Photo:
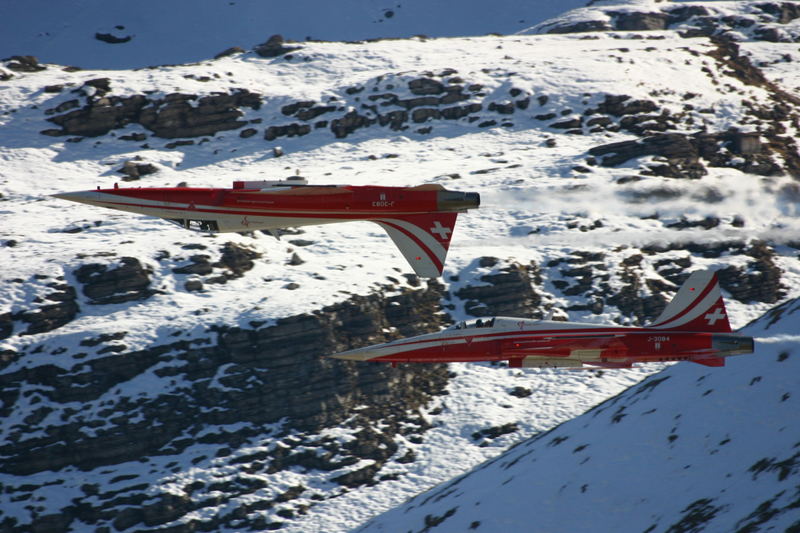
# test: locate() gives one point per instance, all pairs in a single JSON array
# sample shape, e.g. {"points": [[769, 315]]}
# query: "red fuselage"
{"points": [[531, 343], [244, 207], [420, 220]]}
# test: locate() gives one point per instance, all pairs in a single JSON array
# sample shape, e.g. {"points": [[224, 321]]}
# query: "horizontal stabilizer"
{"points": [[710, 361]]}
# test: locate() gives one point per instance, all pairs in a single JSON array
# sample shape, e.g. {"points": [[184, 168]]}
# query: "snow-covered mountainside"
{"points": [[118, 34], [686, 450], [152, 378]]}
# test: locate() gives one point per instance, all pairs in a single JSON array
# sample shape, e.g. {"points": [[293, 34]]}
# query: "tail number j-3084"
{"points": [[657, 340]]}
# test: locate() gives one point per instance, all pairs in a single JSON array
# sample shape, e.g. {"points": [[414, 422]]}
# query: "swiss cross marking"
{"points": [[712, 318], [441, 231]]}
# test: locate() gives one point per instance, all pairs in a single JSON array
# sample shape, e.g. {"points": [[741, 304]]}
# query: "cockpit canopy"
{"points": [[485, 322], [497, 322]]}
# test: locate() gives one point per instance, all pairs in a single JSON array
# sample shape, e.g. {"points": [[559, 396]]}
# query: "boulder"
{"points": [[237, 258], [425, 86], [274, 47], [639, 21], [24, 64], [133, 170], [229, 52], [112, 284]]}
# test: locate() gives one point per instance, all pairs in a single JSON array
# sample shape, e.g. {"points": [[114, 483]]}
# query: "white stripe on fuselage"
{"points": [[463, 337], [125, 202]]}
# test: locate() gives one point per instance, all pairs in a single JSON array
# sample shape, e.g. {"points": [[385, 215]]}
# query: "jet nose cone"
{"points": [[83, 197], [359, 354]]}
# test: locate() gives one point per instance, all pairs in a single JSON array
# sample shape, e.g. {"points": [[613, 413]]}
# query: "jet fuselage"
{"points": [[420, 220]]}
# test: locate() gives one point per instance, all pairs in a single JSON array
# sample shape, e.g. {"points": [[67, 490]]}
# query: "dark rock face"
{"points": [[759, 281], [633, 21], [247, 378], [425, 86], [24, 64], [675, 147], [619, 105], [784, 12], [229, 52], [6, 325], [684, 153], [173, 116], [274, 47], [126, 282], [640, 298], [63, 309], [176, 117], [581, 27], [199, 264], [629, 299], [430, 99], [509, 292]]}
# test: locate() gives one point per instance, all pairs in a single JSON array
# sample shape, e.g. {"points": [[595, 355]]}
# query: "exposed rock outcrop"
{"points": [[175, 115], [246, 379], [767, 21], [133, 170], [684, 154], [759, 281], [106, 284], [274, 47], [508, 292], [23, 64], [46, 316]]}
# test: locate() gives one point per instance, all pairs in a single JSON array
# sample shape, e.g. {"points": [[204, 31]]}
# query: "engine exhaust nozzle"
{"points": [[457, 201]]}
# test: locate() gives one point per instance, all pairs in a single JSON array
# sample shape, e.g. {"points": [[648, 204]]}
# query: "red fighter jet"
{"points": [[420, 220], [693, 327]]}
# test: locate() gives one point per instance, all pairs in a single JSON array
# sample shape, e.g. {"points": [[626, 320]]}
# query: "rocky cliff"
{"points": [[222, 390]]}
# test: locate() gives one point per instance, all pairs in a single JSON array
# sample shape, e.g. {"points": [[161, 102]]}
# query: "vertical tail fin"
{"points": [[698, 306], [423, 239]]}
